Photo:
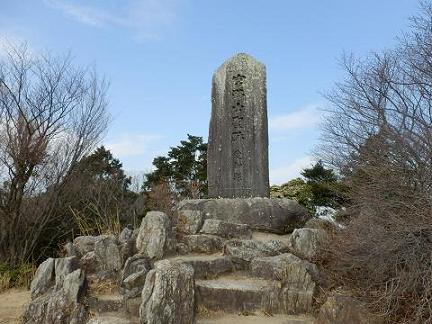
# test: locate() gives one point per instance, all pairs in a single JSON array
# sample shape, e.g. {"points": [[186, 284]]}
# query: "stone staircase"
{"points": [[206, 271], [236, 281]]}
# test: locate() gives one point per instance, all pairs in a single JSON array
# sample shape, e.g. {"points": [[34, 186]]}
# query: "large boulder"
{"points": [[226, 230], [63, 267], [306, 242], [189, 221], [43, 279], [272, 215], [168, 294], [60, 305], [155, 237], [108, 253]]}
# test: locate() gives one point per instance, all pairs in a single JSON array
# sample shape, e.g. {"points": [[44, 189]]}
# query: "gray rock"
{"points": [[111, 319], [207, 266], [270, 215], [108, 253], [70, 249], [155, 236], [238, 136], [345, 309], [226, 230], [288, 268], [244, 251], [73, 285], [168, 294], [125, 235], [59, 306], [182, 248], [203, 243], [133, 275], [85, 244], [63, 267], [43, 279], [189, 221], [306, 242], [90, 262], [134, 283]]}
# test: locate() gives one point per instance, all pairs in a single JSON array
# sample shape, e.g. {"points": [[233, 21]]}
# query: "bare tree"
{"points": [[52, 113], [379, 135]]}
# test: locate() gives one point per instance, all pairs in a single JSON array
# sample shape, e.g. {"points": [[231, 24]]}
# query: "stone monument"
{"points": [[237, 156], [238, 136]]}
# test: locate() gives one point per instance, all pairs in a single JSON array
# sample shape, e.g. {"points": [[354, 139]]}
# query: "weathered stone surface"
{"points": [[242, 294], [168, 294], [345, 309], [112, 319], [306, 242], [63, 267], [155, 236], [59, 306], [207, 266], [106, 303], [73, 284], [271, 215], [133, 275], [90, 262], [288, 268], [85, 244], [190, 221], [234, 294], [225, 229], [203, 243], [238, 136], [43, 278], [108, 253], [244, 251], [70, 249], [125, 235]]}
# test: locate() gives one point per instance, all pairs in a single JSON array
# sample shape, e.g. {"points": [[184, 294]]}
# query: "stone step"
{"points": [[105, 303], [242, 252], [113, 318], [240, 293], [255, 319], [235, 293], [207, 266], [204, 243], [266, 237]]}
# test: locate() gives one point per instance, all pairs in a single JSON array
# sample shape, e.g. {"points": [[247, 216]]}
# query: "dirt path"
{"points": [[11, 305]]}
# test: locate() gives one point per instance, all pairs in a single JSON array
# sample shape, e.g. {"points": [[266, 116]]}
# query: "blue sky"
{"points": [[159, 56]]}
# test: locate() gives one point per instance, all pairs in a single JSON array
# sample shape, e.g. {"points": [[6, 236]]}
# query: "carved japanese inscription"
{"points": [[238, 139]]}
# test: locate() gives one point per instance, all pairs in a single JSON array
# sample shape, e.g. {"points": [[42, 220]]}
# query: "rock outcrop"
{"points": [[155, 237], [168, 294]]}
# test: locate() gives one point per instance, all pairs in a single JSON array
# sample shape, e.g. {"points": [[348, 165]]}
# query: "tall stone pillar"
{"points": [[238, 136]]}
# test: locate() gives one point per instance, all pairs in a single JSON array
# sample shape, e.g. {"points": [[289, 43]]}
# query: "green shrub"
{"points": [[16, 276]]}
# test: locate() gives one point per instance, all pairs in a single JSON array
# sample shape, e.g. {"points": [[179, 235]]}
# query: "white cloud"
{"points": [[128, 145], [305, 117], [147, 18], [284, 174]]}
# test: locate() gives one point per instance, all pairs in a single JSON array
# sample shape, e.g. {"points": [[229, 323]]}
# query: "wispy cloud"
{"points": [[284, 174], [305, 117], [146, 18], [128, 145]]}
